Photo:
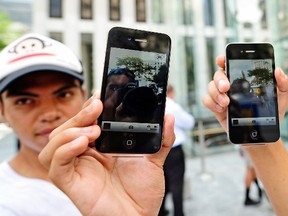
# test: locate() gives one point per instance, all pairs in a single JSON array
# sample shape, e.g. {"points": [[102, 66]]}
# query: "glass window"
{"points": [[208, 12], [230, 40], [228, 16], [140, 11], [230, 12], [55, 8], [186, 12], [114, 6], [157, 11], [56, 36], [86, 9], [210, 56], [262, 6], [189, 60], [87, 58]]}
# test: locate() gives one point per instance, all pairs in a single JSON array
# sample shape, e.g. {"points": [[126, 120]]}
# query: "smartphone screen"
{"points": [[134, 91], [253, 109]]}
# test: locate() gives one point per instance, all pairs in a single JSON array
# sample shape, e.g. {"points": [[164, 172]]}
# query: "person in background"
{"points": [[270, 160], [250, 177], [42, 100], [174, 166]]}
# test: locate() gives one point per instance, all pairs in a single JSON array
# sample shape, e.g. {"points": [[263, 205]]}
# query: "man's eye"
{"points": [[65, 94], [114, 87], [23, 101]]}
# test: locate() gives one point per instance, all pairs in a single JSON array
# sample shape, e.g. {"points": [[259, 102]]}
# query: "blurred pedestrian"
{"points": [[250, 177], [174, 166]]}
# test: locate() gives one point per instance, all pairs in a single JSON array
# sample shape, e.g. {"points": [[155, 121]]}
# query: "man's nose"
{"points": [[50, 112]]}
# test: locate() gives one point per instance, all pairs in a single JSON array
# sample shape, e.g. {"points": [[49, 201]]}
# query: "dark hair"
{"points": [[240, 85], [124, 71]]}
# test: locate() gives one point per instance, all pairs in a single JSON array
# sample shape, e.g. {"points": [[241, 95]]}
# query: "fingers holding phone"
{"points": [[217, 100], [82, 124], [282, 85], [253, 109]]}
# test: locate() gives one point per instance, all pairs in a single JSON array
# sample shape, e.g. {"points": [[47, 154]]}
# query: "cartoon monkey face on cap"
{"points": [[29, 45], [34, 52]]}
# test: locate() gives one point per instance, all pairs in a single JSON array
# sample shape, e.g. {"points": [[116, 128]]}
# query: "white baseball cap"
{"points": [[33, 52]]}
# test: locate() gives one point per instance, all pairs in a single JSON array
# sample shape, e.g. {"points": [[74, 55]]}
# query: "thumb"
{"points": [[167, 140]]}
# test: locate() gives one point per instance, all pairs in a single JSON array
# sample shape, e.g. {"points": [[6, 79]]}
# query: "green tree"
{"points": [[263, 76], [7, 35], [138, 67]]}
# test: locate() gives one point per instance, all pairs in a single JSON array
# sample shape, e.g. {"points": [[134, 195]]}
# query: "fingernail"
{"points": [[221, 84]]}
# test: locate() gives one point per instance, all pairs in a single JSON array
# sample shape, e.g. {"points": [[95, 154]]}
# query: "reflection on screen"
{"points": [[135, 90], [252, 93]]}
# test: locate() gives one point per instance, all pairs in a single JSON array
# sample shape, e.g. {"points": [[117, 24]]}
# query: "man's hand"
{"points": [[270, 160], [217, 100], [100, 184]]}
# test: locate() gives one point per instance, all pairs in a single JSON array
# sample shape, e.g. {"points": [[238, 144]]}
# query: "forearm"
{"points": [[271, 163]]}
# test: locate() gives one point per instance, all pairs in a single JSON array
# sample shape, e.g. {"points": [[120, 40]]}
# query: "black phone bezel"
{"points": [[242, 134], [127, 38]]}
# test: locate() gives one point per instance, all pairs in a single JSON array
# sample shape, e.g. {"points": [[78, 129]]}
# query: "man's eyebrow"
{"points": [[20, 93], [66, 87], [13, 93]]}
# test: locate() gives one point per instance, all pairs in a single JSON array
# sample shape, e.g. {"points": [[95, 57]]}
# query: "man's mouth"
{"points": [[45, 132]]}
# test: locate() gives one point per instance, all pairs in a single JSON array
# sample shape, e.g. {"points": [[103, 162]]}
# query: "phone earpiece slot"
{"points": [[141, 40]]}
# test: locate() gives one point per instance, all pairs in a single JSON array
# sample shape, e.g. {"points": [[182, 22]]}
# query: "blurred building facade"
{"points": [[199, 29], [278, 20]]}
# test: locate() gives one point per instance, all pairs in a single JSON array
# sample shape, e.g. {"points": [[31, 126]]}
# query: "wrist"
{"points": [[260, 152]]}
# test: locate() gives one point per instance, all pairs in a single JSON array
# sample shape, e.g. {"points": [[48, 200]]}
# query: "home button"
{"points": [[129, 143], [254, 134]]}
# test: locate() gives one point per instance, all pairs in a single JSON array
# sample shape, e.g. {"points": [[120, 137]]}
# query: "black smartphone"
{"points": [[134, 91], [253, 109]]}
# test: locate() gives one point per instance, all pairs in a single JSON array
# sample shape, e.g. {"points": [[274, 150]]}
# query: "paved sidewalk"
{"points": [[220, 190]]}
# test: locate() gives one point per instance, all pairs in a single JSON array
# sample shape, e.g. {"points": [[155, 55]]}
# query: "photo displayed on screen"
{"points": [[134, 92], [252, 92]]}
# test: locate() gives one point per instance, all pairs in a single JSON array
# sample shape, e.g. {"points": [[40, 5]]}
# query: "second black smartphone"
{"points": [[134, 91], [253, 109]]}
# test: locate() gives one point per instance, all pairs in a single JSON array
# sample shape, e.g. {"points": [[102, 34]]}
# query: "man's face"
{"points": [[37, 103], [115, 83]]}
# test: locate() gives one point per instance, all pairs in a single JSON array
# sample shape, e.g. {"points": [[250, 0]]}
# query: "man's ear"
{"points": [[2, 116], [1, 113]]}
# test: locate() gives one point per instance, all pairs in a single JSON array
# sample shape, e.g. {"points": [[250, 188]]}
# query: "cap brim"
{"points": [[36, 68]]}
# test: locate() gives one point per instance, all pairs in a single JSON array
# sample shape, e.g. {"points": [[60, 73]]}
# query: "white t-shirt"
{"points": [[184, 121], [31, 197]]}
